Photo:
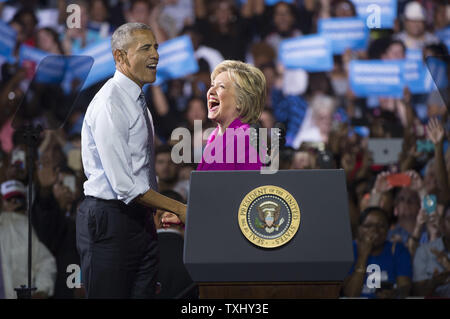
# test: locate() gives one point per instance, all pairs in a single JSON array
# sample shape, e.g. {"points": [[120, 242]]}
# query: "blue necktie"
{"points": [[150, 143], [2, 285]]}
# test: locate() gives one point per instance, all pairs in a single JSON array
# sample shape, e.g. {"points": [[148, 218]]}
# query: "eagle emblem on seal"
{"points": [[269, 216]]}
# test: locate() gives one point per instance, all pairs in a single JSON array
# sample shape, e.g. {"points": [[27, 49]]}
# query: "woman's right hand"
{"points": [[365, 244], [168, 219]]}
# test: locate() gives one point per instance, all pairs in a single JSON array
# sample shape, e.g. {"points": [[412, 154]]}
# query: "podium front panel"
{"points": [[216, 250]]}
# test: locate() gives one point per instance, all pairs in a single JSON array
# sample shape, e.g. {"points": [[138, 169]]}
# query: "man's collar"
{"points": [[128, 85]]}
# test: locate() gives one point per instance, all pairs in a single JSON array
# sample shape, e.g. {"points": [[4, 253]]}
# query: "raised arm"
{"points": [[435, 133]]}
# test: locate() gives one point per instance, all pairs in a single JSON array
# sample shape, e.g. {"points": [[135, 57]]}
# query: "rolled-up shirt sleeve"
{"points": [[110, 131]]}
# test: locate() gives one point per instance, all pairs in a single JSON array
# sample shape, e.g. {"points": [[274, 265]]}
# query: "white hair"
{"points": [[323, 102], [121, 38]]}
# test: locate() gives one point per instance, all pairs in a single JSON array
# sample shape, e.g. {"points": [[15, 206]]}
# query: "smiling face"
{"points": [[222, 100], [138, 62], [376, 226]]}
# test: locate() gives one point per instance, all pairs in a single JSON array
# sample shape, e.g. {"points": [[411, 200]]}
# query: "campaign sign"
{"points": [[176, 59], [385, 11], [311, 52], [103, 67], [345, 33], [376, 78], [417, 77], [7, 41]]}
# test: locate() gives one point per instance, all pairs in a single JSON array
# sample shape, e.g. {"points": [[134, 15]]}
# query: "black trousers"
{"points": [[118, 248]]}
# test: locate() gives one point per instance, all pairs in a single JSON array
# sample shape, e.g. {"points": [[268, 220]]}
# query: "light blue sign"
{"points": [[311, 53], [344, 33], [417, 77], [176, 59], [7, 41], [371, 10], [414, 55], [103, 67], [376, 78]]}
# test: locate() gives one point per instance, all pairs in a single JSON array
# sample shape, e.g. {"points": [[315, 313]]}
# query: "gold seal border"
{"points": [[269, 190]]}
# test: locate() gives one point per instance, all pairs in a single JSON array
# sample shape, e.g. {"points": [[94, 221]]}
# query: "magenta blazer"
{"points": [[224, 153]]}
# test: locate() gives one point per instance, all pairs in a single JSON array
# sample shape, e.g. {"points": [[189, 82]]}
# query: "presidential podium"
{"points": [[268, 236]]}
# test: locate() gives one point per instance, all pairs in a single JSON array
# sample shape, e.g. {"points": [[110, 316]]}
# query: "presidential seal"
{"points": [[269, 216]]}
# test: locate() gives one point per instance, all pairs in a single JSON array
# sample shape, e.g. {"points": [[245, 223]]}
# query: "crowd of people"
{"points": [[403, 227]]}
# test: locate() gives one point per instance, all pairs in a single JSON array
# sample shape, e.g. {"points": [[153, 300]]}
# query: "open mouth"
{"points": [[152, 66], [213, 104]]}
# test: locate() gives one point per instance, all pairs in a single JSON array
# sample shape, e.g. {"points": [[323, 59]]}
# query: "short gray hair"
{"points": [[121, 38]]}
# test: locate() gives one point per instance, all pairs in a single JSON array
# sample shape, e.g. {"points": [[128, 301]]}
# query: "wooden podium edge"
{"points": [[269, 290]]}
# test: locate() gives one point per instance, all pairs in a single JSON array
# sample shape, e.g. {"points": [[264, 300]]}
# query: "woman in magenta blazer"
{"points": [[236, 99]]}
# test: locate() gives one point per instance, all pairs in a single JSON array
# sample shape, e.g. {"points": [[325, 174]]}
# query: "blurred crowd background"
{"points": [[399, 212]]}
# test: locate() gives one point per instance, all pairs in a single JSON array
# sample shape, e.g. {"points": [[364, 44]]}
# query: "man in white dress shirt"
{"points": [[116, 235]]}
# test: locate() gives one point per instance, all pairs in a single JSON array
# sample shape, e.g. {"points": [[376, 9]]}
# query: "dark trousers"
{"points": [[118, 248]]}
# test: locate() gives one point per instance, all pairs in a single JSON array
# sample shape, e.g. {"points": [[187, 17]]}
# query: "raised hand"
{"points": [[416, 181], [435, 131], [381, 183]]}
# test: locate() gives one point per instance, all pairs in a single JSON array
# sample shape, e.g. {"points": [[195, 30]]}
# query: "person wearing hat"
{"points": [[415, 35], [14, 247]]}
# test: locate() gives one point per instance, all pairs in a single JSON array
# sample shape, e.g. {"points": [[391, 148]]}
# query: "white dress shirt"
{"points": [[114, 143]]}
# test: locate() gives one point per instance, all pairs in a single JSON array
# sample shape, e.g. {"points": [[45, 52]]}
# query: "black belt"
{"points": [[118, 202]]}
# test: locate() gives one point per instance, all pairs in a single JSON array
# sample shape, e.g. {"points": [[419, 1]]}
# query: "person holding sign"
{"points": [[116, 236]]}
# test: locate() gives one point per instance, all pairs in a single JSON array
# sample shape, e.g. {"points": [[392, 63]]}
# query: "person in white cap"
{"points": [[14, 247], [415, 35]]}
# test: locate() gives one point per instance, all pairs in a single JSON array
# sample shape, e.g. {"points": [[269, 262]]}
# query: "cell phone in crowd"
{"points": [[429, 203], [69, 181], [18, 158], [425, 146], [399, 180]]}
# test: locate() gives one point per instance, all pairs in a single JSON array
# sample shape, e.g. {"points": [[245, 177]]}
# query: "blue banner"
{"points": [[103, 67], [444, 36], [371, 10], [7, 41], [417, 77], [414, 55], [176, 59], [376, 78], [344, 33], [311, 53]]}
